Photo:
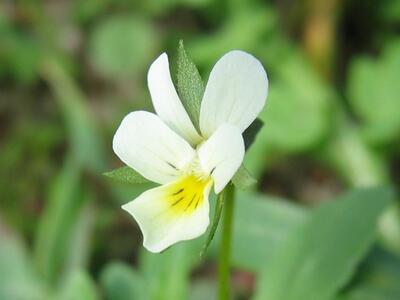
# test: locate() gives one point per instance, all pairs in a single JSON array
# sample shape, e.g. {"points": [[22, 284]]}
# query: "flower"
{"points": [[167, 149]]}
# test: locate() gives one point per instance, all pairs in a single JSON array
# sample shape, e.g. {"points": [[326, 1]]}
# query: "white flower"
{"points": [[167, 149]]}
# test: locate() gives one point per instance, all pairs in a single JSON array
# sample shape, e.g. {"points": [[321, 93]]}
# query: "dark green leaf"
{"points": [[249, 135], [320, 256], [189, 85], [243, 179], [126, 175]]}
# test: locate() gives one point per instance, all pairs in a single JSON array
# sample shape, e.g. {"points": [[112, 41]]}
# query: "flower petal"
{"points": [[222, 154], [166, 100], [236, 92], [172, 213], [146, 144]]}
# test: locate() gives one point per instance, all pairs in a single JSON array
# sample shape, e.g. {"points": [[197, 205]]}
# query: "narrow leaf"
{"points": [[243, 179], [189, 85], [126, 175], [249, 135], [219, 204]]}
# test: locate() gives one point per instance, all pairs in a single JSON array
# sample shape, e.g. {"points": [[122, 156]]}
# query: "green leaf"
{"points": [[249, 135], [17, 276], [167, 274], [122, 45], [374, 94], [78, 286], [219, 204], [189, 85], [320, 256], [377, 279], [243, 179], [84, 138], [122, 282], [260, 226], [126, 175], [64, 203]]}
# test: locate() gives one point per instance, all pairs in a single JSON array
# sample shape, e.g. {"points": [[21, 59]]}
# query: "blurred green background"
{"points": [[323, 222]]}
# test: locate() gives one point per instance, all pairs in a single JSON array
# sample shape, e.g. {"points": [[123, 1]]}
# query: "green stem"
{"points": [[225, 247]]}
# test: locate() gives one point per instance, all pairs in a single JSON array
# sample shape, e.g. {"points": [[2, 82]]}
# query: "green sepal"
{"points": [[126, 175], [249, 135], [243, 179], [189, 85]]}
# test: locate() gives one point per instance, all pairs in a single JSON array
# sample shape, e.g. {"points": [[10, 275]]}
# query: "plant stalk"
{"points": [[224, 259]]}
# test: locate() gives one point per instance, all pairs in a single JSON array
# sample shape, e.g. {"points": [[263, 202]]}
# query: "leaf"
{"points": [[78, 286], [261, 225], [374, 94], [377, 279], [320, 256], [167, 274], [189, 85], [121, 282], [64, 203], [122, 45], [17, 276], [126, 175], [243, 179], [219, 204], [249, 135], [84, 138]]}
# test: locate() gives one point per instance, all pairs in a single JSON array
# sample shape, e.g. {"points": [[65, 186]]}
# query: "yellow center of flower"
{"points": [[187, 193]]}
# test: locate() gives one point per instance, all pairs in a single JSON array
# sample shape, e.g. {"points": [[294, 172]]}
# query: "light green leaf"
{"points": [[167, 274], [122, 45], [126, 175], [374, 94], [17, 276], [189, 85], [84, 138], [243, 179], [261, 225], [63, 206], [122, 282], [320, 256], [78, 286]]}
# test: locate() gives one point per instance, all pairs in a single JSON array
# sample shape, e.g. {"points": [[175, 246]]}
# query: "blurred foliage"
{"points": [[70, 71]]}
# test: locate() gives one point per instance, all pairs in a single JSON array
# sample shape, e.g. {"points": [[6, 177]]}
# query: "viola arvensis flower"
{"points": [[167, 149]]}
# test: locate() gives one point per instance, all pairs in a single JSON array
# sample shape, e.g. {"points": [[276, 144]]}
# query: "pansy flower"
{"points": [[166, 147]]}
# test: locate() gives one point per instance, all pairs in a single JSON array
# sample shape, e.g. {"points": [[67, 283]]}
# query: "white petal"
{"points": [[222, 154], [163, 223], [166, 101], [147, 145], [236, 92]]}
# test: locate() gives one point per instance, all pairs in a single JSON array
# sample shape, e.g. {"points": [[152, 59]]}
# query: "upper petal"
{"points": [[166, 100], [171, 213], [236, 92], [146, 144], [222, 154]]}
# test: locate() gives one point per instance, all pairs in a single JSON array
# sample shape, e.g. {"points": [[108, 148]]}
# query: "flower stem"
{"points": [[225, 247]]}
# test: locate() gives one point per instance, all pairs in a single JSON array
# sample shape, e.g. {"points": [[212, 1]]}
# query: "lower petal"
{"points": [[171, 213]]}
